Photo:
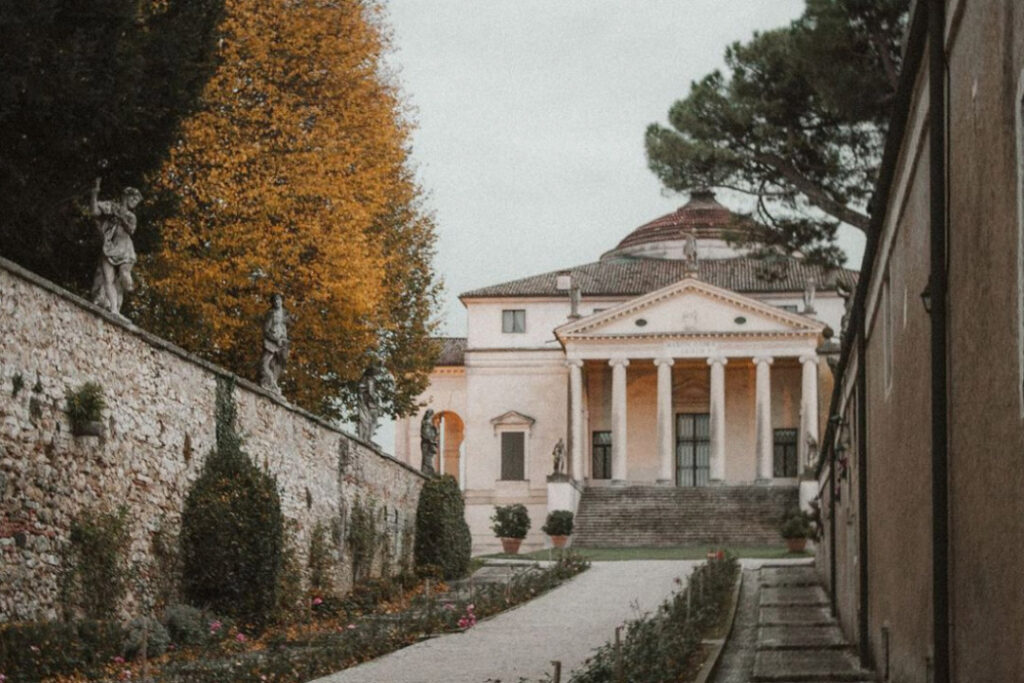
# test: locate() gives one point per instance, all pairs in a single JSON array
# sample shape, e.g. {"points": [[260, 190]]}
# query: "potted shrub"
{"points": [[84, 407], [559, 527], [796, 529], [510, 523]]}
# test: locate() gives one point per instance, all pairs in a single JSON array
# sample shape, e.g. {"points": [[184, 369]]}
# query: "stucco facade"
{"points": [[674, 331]]}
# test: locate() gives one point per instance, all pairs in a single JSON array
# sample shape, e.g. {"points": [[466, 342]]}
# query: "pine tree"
{"points": [[292, 178]]}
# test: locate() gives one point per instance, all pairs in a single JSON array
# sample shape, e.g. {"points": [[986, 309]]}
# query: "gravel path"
{"points": [[565, 624]]}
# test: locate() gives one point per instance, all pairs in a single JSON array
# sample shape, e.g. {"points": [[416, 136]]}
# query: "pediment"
{"points": [[512, 418], [690, 307]]}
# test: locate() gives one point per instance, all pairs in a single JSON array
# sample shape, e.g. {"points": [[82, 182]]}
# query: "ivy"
{"points": [[363, 539], [97, 573]]}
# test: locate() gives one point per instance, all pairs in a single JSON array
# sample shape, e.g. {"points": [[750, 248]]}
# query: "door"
{"points": [[693, 449]]}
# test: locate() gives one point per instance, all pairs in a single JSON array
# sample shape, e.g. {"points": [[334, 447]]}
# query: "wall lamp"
{"points": [[926, 298]]}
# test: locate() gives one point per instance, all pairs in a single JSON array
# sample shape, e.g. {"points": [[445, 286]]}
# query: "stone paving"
{"points": [[566, 624]]}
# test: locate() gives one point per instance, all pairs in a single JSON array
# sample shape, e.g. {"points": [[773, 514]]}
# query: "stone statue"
{"points": [[558, 457], [428, 442], [690, 254], [275, 344], [116, 223], [809, 289], [369, 404]]}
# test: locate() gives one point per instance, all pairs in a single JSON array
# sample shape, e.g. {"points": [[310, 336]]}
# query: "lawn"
{"points": [[770, 552]]}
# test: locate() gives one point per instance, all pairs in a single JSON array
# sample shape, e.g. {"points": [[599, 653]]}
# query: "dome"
{"points": [[665, 237]]}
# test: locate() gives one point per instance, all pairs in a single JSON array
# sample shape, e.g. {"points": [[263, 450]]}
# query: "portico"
{"points": [[660, 393]]}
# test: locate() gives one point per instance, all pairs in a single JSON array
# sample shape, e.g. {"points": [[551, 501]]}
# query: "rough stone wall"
{"points": [[158, 428]]}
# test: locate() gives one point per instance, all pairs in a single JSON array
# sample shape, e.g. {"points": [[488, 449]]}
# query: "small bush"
{"points": [[145, 630], [186, 625], [796, 524], [43, 650], [510, 521], [232, 530], [442, 535], [84, 404], [559, 523], [97, 571]]}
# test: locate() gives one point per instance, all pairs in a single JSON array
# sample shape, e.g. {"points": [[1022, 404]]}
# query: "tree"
{"points": [[87, 82], [292, 178], [799, 123]]}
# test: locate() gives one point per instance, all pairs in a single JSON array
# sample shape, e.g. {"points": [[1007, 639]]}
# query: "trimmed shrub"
{"points": [[510, 521], [186, 625], [442, 535], [148, 630], [559, 523], [232, 530]]}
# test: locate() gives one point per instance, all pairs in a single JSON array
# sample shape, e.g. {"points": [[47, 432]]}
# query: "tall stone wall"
{"points": [[158, 428]]}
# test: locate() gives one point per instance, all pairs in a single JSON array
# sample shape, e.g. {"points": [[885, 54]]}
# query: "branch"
{"points": [[891, 72], [815, 194]]}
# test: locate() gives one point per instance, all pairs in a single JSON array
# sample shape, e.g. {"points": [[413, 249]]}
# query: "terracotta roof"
{"points": [[636, 276], [453, 351], [702, 215]]}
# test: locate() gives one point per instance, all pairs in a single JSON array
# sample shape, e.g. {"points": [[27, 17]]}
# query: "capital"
{"points": [[767, 360], [574, 363], [616, 362], [664, 361], [809, 358], [718, 360]]}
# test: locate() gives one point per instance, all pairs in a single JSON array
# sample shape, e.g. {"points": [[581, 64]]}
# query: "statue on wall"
{"points": [[275, 344], [116, 223], [558, 458], [428, 442], [368, 406]]}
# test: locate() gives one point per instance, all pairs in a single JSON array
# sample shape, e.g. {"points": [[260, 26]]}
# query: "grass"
{"points": [[770, 552]]}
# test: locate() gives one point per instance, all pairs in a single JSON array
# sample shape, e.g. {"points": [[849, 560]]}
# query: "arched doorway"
{"points": [[451, 431]]}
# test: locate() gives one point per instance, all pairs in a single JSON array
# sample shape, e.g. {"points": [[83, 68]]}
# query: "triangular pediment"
{"points": [[690, 307], [512, 418]]}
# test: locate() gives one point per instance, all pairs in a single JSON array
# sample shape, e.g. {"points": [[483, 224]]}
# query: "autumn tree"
{"points": [[798, 122], [86, 83], [293, 178]]}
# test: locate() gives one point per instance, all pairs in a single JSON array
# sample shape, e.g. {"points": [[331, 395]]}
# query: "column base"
{"points": [[664, 482], [716, 482], [618, 482]]}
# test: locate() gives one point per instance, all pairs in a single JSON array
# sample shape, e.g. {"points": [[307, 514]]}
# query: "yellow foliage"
{"points": [[292, 177]]}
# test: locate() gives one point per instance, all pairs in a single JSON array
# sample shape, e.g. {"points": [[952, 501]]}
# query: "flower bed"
{"points": [[665, 645]]}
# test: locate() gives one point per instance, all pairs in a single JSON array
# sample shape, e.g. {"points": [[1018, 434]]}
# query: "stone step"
{"points": [[807, 665], [793, 596], [788, 576], [794, 616], [801, 637]]}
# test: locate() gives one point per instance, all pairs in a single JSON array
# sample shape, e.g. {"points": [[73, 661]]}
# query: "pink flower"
{"points": [[317, 601], [351, 626], [2, 678], [240, 637], [34, 648], [469, 608], [463, 622], [118, 660], [215, 626]]}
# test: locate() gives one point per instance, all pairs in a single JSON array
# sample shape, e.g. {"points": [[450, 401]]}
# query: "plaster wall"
{"points": [[543, 315], [158, 428]]}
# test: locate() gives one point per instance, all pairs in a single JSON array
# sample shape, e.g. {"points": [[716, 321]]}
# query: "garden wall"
{"points": [[158, 428]]}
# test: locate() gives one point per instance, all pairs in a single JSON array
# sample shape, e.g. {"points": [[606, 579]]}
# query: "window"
{"points": [[513, 320], [785, 464], [601, 456], [791, 308], [693, 449], [513, 456], [887, 331]]}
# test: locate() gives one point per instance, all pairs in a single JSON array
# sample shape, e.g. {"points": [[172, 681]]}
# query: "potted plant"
{"points": [[796, 529], [510, 523], [84, 407], [559, 527]]}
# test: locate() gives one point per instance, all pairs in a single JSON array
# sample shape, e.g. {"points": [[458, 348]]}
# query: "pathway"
{"points": [[564, 624]]}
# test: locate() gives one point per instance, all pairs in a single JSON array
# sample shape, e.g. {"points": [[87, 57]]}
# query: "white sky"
{"points": [[531, 116]]}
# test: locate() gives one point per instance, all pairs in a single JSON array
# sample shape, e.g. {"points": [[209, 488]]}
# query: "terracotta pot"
{"points": [[510, 546], [796, 545], [559, 541]]}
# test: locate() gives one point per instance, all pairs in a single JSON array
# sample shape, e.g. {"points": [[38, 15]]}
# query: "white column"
{"points": [[665, 450], [764, 418], [618, 419], [717, 364], [576, 418], [808, 407]]}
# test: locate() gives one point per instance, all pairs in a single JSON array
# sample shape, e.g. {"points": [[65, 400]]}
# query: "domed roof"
{"points": [[664, 237]]}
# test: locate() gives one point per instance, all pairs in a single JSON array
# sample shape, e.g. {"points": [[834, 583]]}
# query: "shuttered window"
{"points": [[513, 320], [513, 457], [785, 464]]}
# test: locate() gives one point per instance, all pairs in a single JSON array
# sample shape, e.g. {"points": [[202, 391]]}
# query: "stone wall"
{"points": [[158, 428]]}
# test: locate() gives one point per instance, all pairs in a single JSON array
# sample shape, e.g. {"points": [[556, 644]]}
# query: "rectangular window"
{"points": [[601, 456], [693, 449], [785, 464], [792, 308], [887, 331], [513, 456], [513, 320]]}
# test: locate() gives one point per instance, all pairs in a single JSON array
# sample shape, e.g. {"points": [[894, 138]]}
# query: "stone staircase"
{"points": [[658, 516]]}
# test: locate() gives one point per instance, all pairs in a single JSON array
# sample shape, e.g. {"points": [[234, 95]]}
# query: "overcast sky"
{"points": [[531, 117]]}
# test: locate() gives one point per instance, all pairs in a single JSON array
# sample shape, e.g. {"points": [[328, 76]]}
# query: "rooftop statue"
{"points": [[116, 224], [558, 457]]}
